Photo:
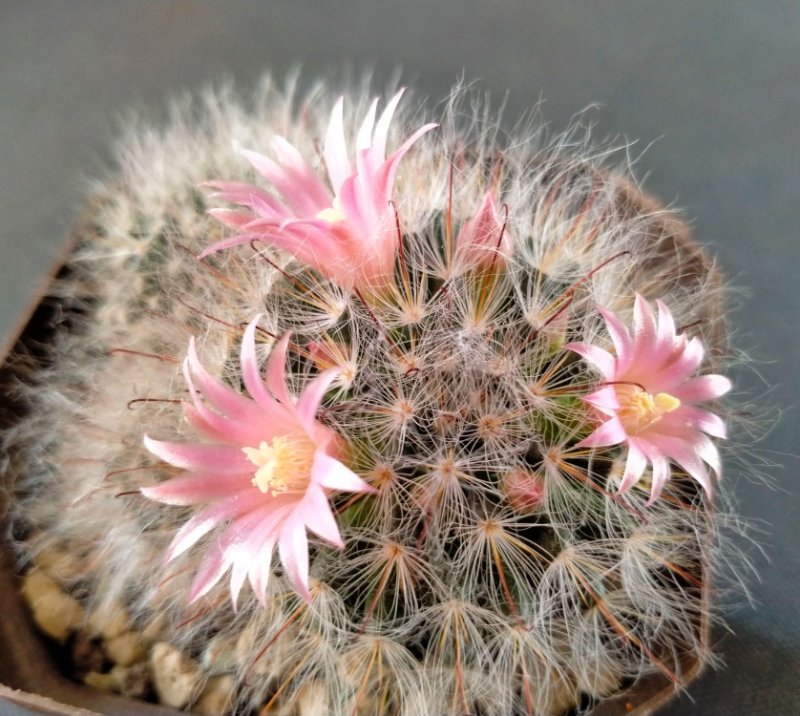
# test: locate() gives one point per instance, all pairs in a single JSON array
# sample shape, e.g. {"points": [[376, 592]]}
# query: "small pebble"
{"points": [[175, 677], [132, 681], [217, 696], [311, 699], [103, 682], [562, 696], [219, 655], [56, 614], [126, 649]]}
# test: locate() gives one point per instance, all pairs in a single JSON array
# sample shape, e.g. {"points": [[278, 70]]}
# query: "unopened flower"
{"points": [[344, 229], [483, 240], [648, 398], [265, 471], [524, 490]]}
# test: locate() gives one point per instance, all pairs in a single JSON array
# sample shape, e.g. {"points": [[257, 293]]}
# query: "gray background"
{"points": [[713, 84]]}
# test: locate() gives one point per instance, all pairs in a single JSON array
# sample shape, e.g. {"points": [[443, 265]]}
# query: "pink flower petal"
{"points": [[224, 429], [378, 145], [601, 359], [302, 194], [320, 519], [197, 487], [311, 398], [619, 337], [609, 433], [249, 195], [276, 373], [708, 452], [254, 544], [364, 213], [704, 420], [605, 400], [684, 363], [685, 455], [237, 580], [210, 572], [384, 178], [230, 242], [261, 570], [337, 161], [666, 327], [199, 456], [265, 166], [219, 559], [231, 218], [364, 136], [201, 426], [372, 198], [331, 474], [251, 373], [644, 329], [635, 465], [293, 550], [208, 519], [222, 397], [310, 241], [704, 387], [305, 182], [661, 474]]}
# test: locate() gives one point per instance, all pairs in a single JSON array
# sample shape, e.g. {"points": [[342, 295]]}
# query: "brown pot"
{"points": [[28, 673]]}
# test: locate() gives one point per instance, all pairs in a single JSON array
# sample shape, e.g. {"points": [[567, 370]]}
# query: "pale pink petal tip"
{"points": [[483, 241], [262, 478], [648, 398]]}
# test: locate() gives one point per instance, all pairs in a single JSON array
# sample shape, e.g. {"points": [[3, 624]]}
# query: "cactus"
{"points": [[480, 543]]}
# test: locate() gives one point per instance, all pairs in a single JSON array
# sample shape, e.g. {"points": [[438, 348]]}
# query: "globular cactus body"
{"points": [[490, 564]]}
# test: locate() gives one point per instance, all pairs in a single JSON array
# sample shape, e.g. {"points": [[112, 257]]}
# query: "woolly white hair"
{"points": [[446, 599]]}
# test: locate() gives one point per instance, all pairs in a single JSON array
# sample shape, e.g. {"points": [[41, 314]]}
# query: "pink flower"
{"points": [[265, 471], [346, 232], [483, 240], [648, 400]]}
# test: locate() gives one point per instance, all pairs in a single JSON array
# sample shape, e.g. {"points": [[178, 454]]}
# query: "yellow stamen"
{"points": [[333, 213], [640, 409], [284, 464], [667, 402]]}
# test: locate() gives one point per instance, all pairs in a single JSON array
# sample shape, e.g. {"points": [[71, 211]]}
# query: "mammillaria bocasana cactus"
{"points": [[446, 404]]}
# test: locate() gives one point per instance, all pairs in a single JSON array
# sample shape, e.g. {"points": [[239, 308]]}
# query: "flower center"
{"points": [[333, 213], [640, 409], [284, 464]]}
